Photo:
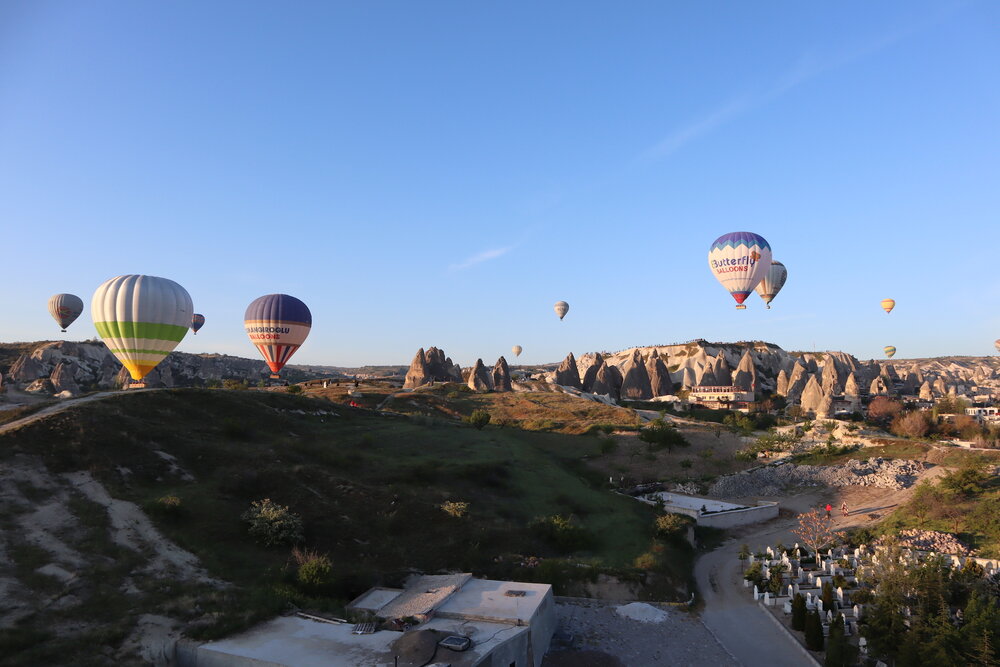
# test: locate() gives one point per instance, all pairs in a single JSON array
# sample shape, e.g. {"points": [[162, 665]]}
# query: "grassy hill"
{"points": [[368, 487]]}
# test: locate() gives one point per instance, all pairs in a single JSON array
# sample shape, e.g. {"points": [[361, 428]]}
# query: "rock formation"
{"points": [[62, 378], [659, 377], [591, 372], [607, 381], [781, 387], [746, 375], [501, 376], [567, 374], [812, 395], [431, 366], [635, 380], [480, 379]]}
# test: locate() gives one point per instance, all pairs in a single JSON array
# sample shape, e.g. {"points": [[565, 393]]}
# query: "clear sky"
{"points": [[440, 173]]}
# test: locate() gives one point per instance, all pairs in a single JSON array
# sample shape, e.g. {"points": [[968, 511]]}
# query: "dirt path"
{"points": [[63, 404]]}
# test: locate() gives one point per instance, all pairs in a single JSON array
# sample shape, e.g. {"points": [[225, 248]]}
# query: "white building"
{"points": [[985, 414], [718, 396], [506, 623]]}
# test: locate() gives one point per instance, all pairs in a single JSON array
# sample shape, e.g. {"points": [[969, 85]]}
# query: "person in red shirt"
{"points": [[829, 508]]}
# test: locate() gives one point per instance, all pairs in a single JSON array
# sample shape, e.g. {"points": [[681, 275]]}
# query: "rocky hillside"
{"points": [[63, 366], [823, 383]]}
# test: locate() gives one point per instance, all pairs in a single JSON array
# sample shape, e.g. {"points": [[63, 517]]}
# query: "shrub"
{"points": [[659, 435], [671, 525], [561, 532], [235, 384], [314, 569], [455, 508], [479, 418], [271, 523], [646, 561], [294, 389], [169, 504], [608, 445]]}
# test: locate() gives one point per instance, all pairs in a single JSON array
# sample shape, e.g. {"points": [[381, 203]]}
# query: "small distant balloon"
{"points": [[739, 261], [65, 308], [772, 282], [516, 350], [996, 344], [561, 309], [277, 324], [890, 351], [888, 305], [197, 322], [141, 319]]}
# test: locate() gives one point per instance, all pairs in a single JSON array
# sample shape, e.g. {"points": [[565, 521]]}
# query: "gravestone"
{"points": [[756, 593], [840, 593], [767, 598]]}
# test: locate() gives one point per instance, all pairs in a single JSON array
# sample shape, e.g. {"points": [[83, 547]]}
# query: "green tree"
{"points": [[798, 612], [814, 631], [968, 479], [837, 648], [743, 555], [272, 524]]}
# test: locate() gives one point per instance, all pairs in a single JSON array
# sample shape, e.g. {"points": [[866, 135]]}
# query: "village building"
{"points": [[451, 619], [728, 397]]}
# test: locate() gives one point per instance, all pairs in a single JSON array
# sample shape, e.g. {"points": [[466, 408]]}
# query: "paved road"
{"points": [[732, 615]]}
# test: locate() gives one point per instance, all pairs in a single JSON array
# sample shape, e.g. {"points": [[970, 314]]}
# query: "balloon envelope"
{"points": [[888, 305], [561, 309], [890, 351], [772, 282], [277, 324], [141, 319], [65, 308], [516, 350], [739, 261], [996, 344], [197, 322]]}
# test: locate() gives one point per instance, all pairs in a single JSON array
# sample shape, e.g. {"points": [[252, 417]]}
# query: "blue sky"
{"points": [[440, 173]]}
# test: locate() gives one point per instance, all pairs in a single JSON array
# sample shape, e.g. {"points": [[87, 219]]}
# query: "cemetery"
{"points": [[845, 599]]}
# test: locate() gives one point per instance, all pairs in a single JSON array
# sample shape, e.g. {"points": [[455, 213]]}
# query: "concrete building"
{"points": [[507, 624], [984, 414]]}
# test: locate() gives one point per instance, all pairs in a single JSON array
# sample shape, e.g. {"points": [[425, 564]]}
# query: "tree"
{"points": [[814, 631], [967, 480], [837, 650], [743, 555], [271, 523], [911, 424], [798, 612], [814, 531], [883, 409]]}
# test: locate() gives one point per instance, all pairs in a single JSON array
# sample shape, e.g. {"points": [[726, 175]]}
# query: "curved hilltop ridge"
{"points": [[122, 514]]}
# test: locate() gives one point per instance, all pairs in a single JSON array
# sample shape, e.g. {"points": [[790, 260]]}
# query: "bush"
{"points": [[294, 389], [315, 571], [479, 418], [659, 435], [455, 509], [562, 533], [271, 523], [235, 384], [646, 561], [671, 525], [608, 445]]}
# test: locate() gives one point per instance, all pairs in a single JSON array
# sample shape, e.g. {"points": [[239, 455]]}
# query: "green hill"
{"points": [[368, 487]]}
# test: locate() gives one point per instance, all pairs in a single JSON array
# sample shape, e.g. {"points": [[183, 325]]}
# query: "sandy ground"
{"points": [[593, 634]]}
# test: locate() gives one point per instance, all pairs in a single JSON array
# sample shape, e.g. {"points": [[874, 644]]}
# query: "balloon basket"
{"points": [[741, 307], [275, 376], [135, 385]]}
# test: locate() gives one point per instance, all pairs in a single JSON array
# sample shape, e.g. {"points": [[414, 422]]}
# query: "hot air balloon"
{"points": [[772, 282], [516, 350], [996, 344], [277, 324], [197, 322], [141, 319], [65, 308], [890, 351], [561, 309], [888, 305], [739, 261]]}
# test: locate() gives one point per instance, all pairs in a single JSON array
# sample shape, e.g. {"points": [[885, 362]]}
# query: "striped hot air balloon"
{"points": [[141, 319], [197, 322], [65, 308], [561, 309], [888, 305], [739, 261], [772, 282], [890, 351], [277, 324]]}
